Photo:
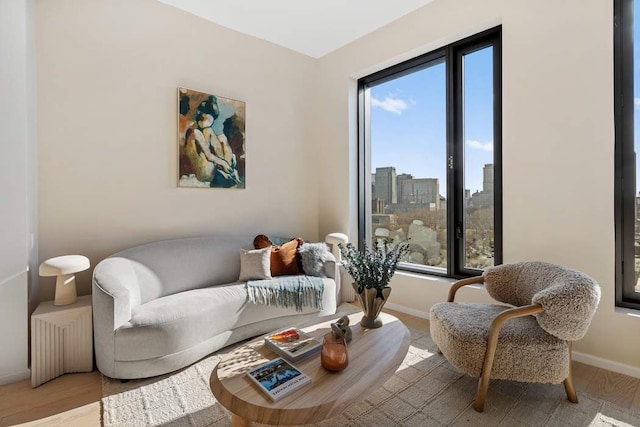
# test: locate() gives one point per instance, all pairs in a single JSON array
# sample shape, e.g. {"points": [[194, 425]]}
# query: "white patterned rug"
{"points": [[425, 391]]}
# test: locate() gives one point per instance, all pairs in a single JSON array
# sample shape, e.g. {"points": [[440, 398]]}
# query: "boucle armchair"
{"points": [[529, 342]]}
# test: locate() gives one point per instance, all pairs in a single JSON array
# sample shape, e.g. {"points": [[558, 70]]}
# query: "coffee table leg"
{"points": [[238, 421]]}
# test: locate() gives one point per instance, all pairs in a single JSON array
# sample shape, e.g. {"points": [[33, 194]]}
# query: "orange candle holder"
{"points": [[334, 356]]}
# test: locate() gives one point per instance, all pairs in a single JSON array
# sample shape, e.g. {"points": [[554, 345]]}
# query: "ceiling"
{"points": [[313, 28]]}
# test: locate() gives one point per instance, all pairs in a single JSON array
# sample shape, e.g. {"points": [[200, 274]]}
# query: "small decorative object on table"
{"points": [[341, 328], [372, 269], [277, 378], [293, 344], [334, 355]]}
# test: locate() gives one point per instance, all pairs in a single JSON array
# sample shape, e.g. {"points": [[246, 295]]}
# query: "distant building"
{"points": [[404, 186], [383, 220], [420, 191], [484, 198], [385, 187], [377, 206]]}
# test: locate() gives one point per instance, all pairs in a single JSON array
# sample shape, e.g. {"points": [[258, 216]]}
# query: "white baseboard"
{"points": [[412, 311], [610, 365], [16, 376], [598, 362]]}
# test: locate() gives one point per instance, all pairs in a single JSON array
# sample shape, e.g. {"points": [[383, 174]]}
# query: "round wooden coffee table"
{"points": [[374, 356]]}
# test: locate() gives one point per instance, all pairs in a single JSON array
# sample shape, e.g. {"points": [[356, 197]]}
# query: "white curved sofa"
{"points": [[164, 305]]}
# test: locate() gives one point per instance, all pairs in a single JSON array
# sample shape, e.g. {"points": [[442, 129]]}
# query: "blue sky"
{"points": [[408, 121]]}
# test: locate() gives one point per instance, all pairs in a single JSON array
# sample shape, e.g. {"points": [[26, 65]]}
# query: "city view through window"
{"points": [[409, 162], [636, 137]]}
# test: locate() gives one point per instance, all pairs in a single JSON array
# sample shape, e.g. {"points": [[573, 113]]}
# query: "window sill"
{"points": [[447, 281], [627, 311]]}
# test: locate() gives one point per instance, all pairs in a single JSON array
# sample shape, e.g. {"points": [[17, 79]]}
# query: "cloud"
{"points": [[392, 105], [636, 102], [485, 146]]}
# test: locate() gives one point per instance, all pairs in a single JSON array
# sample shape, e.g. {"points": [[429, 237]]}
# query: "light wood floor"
{"points": [[74, 399]]}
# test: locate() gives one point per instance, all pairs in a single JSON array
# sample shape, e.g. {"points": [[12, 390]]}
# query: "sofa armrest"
{"points": [[330, 269], [115, 293], [116, 278]]}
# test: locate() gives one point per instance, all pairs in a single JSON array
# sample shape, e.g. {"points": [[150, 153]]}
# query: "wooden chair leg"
{"points": [[483, 388], [485, 376], [568, 382], [492, 344]]}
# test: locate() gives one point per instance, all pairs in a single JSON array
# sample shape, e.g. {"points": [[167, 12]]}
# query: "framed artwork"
{"points": [[211, 140]]}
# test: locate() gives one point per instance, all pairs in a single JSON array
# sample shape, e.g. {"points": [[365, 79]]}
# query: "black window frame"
{"points": [[452, 55], [625, 163]]}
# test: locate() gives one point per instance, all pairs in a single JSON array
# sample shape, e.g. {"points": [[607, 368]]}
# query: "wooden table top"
{"points": [[374, 356]]}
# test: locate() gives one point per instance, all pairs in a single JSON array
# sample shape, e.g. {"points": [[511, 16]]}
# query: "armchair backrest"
{"points": [[569, 297]]}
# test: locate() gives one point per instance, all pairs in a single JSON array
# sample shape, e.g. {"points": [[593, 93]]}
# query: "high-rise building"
{"points": [[484, 198], [377, 206], [419, 191], [487, 178], [404, 186], [385, 185]]}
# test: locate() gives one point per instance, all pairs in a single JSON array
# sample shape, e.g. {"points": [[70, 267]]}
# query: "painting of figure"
{"points": [[211, 140]]}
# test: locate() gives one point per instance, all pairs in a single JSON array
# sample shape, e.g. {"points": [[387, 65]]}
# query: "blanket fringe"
{"points": [[287, 292]]}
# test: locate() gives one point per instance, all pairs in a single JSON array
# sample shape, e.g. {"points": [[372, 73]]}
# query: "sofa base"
{"points": [[163, 365]]}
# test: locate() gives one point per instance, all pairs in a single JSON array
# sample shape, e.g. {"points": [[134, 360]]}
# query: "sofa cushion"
{"points": [[177, 322], [285, 259], [255, 264], [314, 256]]}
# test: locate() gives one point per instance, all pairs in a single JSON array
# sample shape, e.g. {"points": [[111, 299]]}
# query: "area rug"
{"points": [[425, 391]]}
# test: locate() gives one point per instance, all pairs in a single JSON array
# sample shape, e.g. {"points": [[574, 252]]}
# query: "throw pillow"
{"points": [[285, 259], [314, 256], [255, 264]]}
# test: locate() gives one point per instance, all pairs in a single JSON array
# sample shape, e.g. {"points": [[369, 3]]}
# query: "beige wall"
{"points": [[558, 141], [108, 72]]}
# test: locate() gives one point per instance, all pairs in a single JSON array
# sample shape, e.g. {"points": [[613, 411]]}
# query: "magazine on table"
{"points": [[278, 378], [292, 344]]}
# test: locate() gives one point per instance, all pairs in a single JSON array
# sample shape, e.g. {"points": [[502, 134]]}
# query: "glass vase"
{"points": [[334, 356]]}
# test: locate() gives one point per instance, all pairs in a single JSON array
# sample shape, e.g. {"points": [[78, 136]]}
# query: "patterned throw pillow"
{"points": [[314, 256], [285, 259], [255, 265]]}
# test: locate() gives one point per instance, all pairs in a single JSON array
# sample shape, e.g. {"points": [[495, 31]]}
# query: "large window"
{"points": [[429, 156], [627, 114]]}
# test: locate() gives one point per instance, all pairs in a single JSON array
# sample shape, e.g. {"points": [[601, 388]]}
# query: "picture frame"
{"points": [[211, 141]]}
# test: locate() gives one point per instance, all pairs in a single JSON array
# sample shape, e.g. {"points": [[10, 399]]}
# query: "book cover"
{"points": [[293, 344], [278, 378]]}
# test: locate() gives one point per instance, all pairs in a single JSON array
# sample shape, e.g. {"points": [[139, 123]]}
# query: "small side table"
{"points": [[61, 340]]}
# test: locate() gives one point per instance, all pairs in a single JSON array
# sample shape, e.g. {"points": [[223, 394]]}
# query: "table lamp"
{"points": [[64, 268]]}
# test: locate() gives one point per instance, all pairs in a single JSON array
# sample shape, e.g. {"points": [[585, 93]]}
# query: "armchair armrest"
{"points": [[492, 344], [460, 283]]}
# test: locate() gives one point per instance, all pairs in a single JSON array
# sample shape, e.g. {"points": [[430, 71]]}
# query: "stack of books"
{"points": [[292, 344]]}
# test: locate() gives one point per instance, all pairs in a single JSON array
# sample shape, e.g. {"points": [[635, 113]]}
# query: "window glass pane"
{"points": [[478, 158], [408, 164], [636, 139]]}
